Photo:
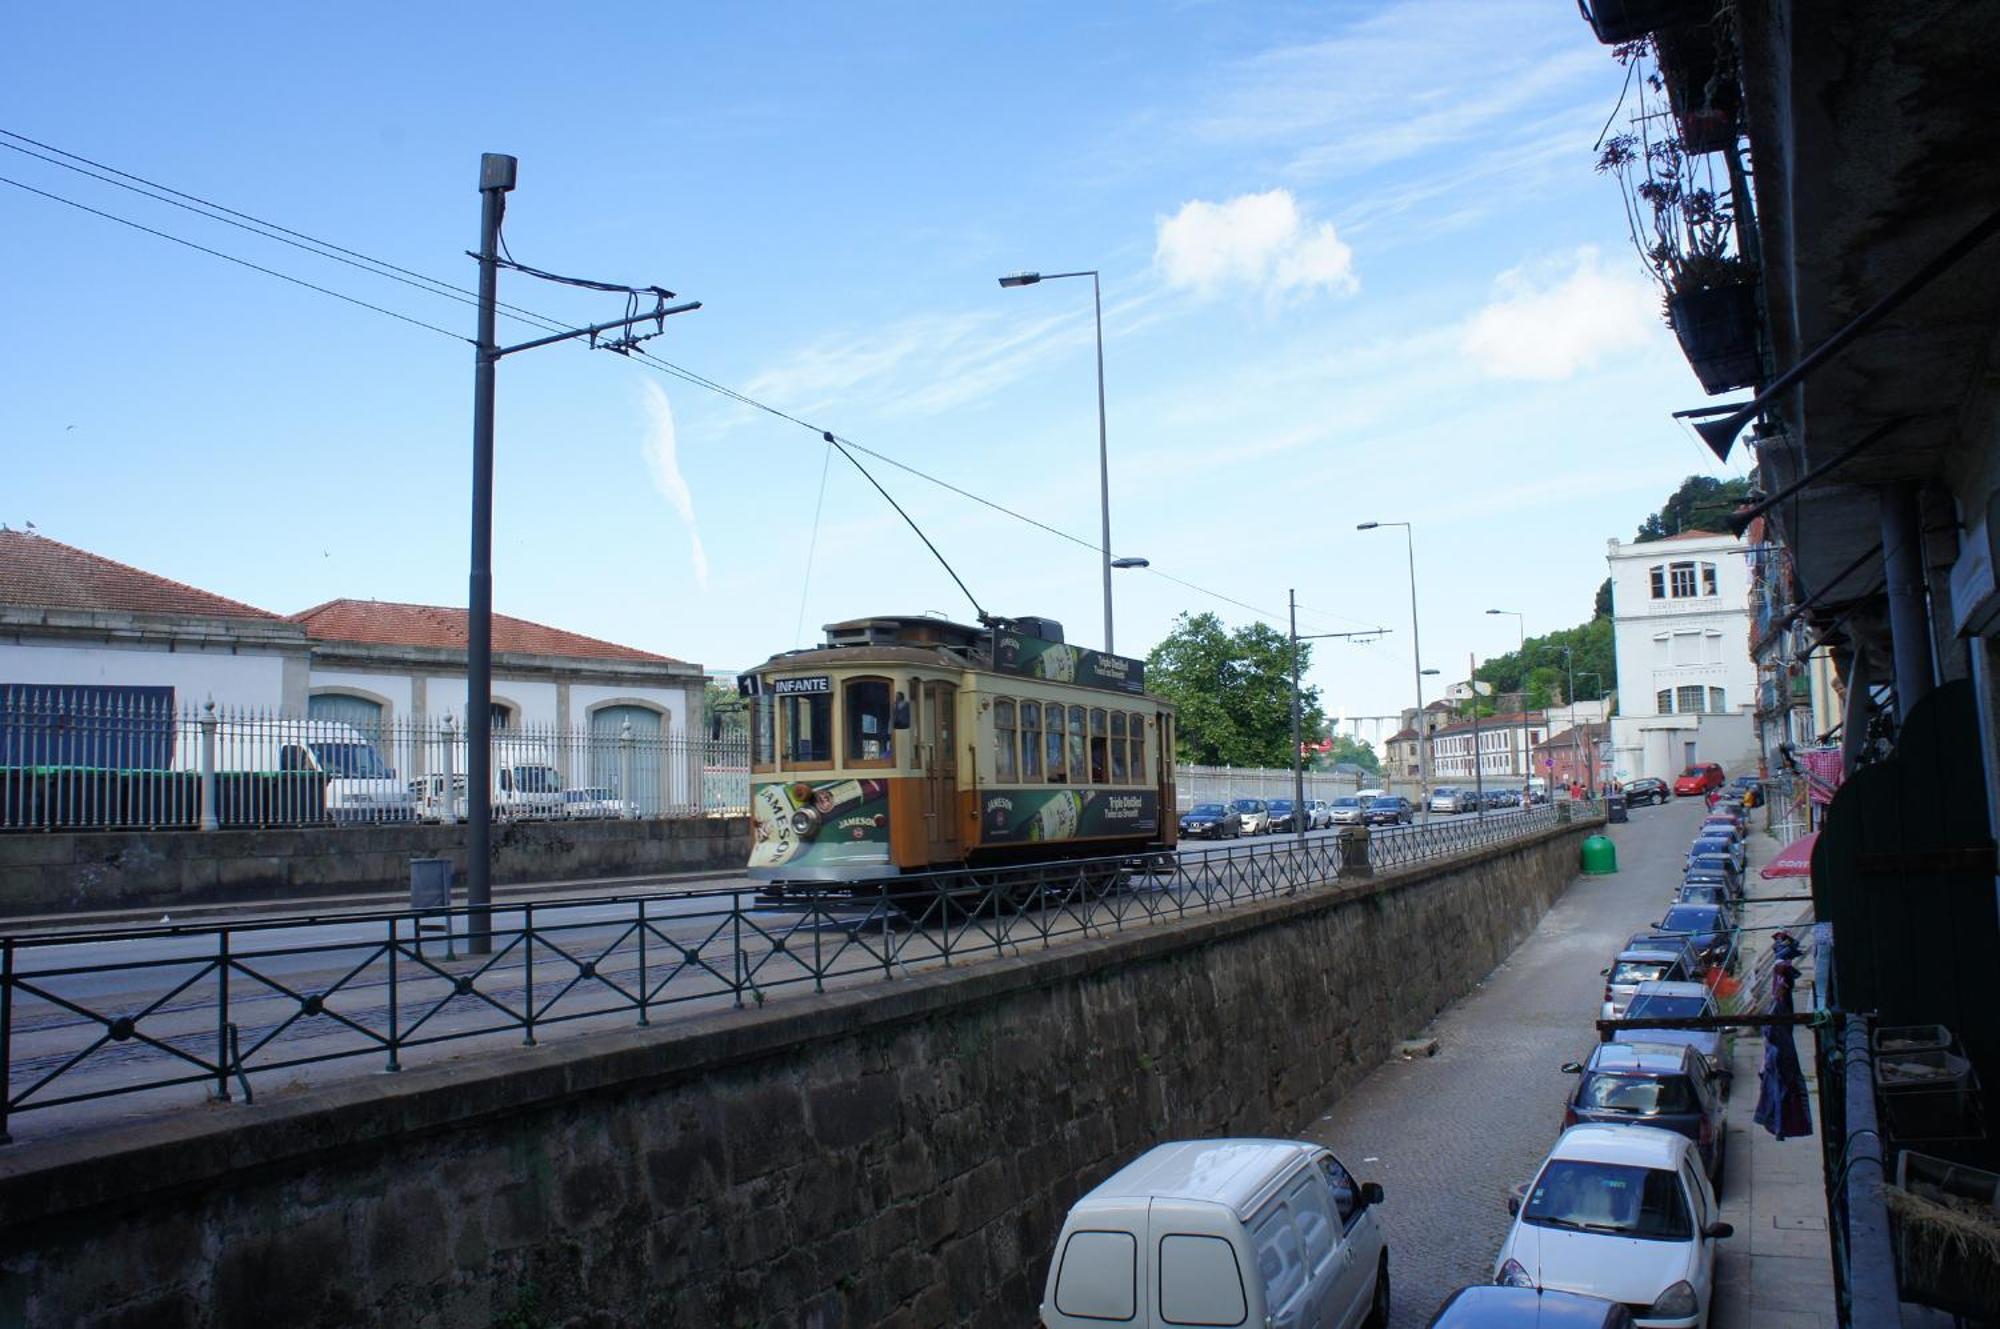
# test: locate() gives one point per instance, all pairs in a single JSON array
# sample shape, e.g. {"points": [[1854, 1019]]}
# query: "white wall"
{"points": [[1701, 641], [195, 676]]}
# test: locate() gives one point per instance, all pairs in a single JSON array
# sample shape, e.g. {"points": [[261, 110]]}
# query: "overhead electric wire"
{"points": [[307, 243], [240, 262]]}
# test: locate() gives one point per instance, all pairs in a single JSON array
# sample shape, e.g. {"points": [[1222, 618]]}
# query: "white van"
{"points": [[1223, 1232], [525, 784], [360, 786]]}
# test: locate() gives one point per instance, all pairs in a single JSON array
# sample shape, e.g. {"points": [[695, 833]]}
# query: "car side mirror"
{"points": [[901, 718], [1371, 1192], [1572, 1068], [1717, 1231], [1515, 1198], [1604, 973]]}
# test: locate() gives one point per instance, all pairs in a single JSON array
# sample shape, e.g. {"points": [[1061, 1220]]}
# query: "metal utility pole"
{"points": [[496, 180], [1298, 738], [497, 172], [1478, 758]]}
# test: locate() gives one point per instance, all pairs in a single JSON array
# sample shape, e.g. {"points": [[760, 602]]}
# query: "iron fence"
{"points": [[73, 758], [104, 1014]]}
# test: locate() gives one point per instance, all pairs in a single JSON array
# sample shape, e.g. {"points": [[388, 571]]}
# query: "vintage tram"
{"points": [[908, 745]]}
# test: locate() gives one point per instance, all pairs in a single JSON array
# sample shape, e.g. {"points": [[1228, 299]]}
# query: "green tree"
{"points": [[1347, 749], [1232, 691], [1541, 671], [1702, 503], [1602, 608], [722, 704]]}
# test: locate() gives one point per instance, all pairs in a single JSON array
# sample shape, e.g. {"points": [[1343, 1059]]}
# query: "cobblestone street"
{"points": [[1449, 1135]]}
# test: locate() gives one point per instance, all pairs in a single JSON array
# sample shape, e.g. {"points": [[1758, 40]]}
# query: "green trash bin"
{"points": [[1600, 856]]}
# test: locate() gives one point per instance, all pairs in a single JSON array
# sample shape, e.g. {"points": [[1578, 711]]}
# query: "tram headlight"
{"points": [[805, 823]]}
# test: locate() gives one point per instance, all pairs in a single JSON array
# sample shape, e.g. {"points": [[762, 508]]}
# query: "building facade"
{"points": [[1681, 623], [1504, 745]]}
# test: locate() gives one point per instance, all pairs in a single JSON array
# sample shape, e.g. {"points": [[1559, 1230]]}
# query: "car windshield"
{"points": [[349, 761], [1635, 971], [1347, 802], [1693, 773], [1609, 1197], [1669, 1008], [1693, 918], [1207, 810], [537, 779], [1395, 802], [585, 795], [1281, 805], [1247, 805], [1641, 1095]]}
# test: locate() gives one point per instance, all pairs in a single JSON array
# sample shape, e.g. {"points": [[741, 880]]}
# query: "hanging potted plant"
{"points": [[1696, 66], [1685, 229]]}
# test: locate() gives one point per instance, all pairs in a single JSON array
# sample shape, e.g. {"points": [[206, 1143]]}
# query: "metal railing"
{"points": [[1856, 1166], [76, 758], [95, 1015]]}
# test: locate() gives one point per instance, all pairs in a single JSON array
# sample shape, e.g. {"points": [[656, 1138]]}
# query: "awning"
{"points": [[1794, 860]]}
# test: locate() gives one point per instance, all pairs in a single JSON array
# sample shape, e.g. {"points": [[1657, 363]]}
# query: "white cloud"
{"points": [[1549, 320], [1256, 240], [662, 459]]}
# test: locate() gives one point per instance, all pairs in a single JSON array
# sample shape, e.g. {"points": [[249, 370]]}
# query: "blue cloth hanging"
{"points": [[1782, 1106]]}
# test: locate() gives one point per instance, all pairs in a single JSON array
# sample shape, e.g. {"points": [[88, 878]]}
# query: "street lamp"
{"points": [[1416, 658], [1103, 454], [1122, 563], [1589, 751], [1298, 738], [1521, 654]]}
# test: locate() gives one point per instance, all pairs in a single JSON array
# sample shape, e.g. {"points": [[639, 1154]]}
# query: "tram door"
{"points": [[940, 759], [1163, 751]]}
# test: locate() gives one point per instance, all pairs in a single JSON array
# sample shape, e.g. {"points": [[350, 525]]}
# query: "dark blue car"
{"points": [[1708, 927]]}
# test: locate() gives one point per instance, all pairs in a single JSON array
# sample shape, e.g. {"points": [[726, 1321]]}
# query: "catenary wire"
{"points": [[240, 262], [435, 286]]}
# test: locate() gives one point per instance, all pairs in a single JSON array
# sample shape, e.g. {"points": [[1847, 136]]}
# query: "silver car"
{"points": [[1449, 798], [1345, 811], [1256, 815]]}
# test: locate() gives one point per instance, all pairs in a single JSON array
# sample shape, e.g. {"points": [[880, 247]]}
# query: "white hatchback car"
{"points": [[1624, 1213]]}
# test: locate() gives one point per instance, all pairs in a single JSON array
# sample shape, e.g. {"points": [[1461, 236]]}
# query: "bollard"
{"points": [[1354, 852], [209, 818], [625, 794]]}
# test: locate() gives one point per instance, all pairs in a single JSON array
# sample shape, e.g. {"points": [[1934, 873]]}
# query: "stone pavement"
{"points": [[1777, 1271], [1449, 1135]]}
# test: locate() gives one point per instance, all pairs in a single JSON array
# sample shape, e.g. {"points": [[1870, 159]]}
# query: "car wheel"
{"points": [[1378, 1309]]}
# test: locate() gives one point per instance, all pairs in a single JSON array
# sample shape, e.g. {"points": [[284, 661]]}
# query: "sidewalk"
{"points": [[1777, 1271]]}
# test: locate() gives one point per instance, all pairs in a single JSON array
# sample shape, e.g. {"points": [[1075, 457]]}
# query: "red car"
{"points": [[1698, 779]]}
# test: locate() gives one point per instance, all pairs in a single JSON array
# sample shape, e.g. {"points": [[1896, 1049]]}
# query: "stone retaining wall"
{"points": [[900, 1154], [59, 872]]}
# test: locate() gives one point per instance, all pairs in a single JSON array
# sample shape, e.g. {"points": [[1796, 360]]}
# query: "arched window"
{"points": [[627, 757], [345, 708]]}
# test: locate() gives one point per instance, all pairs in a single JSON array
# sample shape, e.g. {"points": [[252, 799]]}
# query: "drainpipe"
{"points": [[1909, 615]]}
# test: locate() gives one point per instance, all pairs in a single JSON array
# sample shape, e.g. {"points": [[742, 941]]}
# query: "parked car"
{"points": [[1711, 927], [1503, 798], [1620, 1212], [1644, 962], [1646, 789], [1715, 867], [1703, 892], [1368, 796], [1254, 813], [1450, 798], [1664, 1085], [1389, 810], [1698, 779], [1746, 789], [1319, 814], [1727, 827], [594, 801], [1346, 811], [1285, 815], [1679, 1001], [1721, 843], [1487, 1306], [1211, 821], [1242, 1232]]}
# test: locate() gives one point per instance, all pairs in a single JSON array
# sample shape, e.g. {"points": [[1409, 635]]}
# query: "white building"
{"points": [[1681, 628], [1505, 746], [72, 620]]}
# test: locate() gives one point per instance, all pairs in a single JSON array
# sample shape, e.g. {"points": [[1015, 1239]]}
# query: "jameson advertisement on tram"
{"points": [[828, 823], [1019, 816], [1033, 657]]}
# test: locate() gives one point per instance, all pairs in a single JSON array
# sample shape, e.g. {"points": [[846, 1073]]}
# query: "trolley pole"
{"points": [[496, 179]]}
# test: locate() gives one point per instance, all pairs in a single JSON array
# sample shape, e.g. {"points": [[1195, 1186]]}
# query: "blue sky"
{"points": [[1356, 266]]}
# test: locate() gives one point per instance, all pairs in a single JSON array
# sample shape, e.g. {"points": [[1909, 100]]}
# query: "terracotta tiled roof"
{"points": [[1687, 535], [384, 623], [1402, 736], [1511, 720], [1587, 734], [35, 570]]}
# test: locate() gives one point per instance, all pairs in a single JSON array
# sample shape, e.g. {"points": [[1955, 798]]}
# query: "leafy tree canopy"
{"points": [[1702, 503], [1232, 691], [1347, 749], [1539, 674]]}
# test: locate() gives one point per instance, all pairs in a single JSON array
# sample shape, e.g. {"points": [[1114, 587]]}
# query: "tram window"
{"points": [[1055, 720], [1031, 740], [763, 733], [1003, 742], [868, 714], [1118, 747], [1079, 747], [1138, 749], [807, 729], [1100, 769]]}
